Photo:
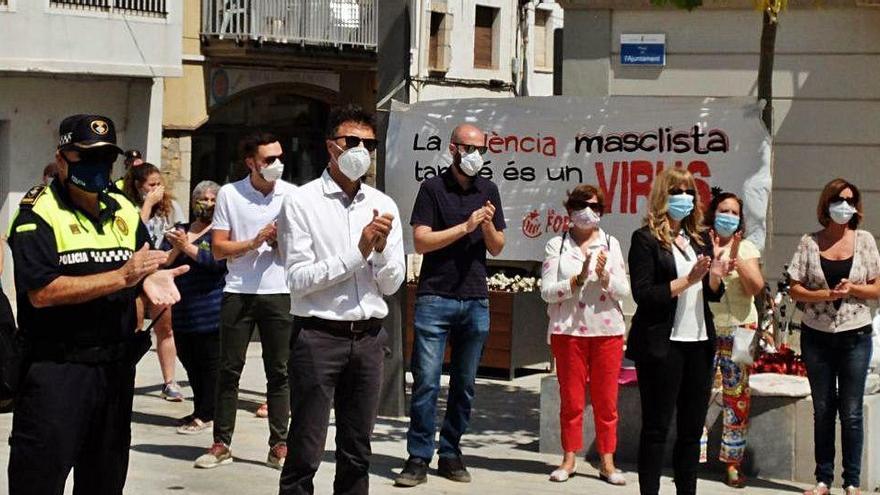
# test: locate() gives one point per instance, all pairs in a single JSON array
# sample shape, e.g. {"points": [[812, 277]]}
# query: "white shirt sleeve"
{"points": [[305, 273], [389, 266], [221, 211]]}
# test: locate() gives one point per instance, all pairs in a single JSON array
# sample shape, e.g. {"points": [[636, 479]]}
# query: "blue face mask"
{"points": [[726, 224], [92, 172], [680, 206]]}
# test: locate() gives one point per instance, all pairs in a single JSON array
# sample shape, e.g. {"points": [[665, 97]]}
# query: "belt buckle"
{"points": [[351, 327]]}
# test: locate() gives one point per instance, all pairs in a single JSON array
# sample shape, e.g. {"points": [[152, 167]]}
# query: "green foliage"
{"points": [[682, 4]]}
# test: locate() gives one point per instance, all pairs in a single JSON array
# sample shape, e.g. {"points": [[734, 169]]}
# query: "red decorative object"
{"points": [[784, 362]]}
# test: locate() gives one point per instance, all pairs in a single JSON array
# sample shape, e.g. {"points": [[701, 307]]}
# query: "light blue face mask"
{"points": [[726, 224], [679, 206]]}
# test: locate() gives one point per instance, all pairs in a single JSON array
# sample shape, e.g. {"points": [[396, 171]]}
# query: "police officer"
{"points": [[78, 276]]}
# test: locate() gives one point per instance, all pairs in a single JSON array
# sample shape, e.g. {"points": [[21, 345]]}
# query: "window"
{"points": [[484, 37], [542, 45], [150, 7], [439, 48]]}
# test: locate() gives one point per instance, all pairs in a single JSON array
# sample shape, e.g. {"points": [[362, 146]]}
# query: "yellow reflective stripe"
{"points": [[26, 227]]}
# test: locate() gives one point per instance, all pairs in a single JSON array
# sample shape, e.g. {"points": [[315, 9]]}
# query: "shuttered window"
{"points": [[484, 42], [543, 55], [434, 42]]}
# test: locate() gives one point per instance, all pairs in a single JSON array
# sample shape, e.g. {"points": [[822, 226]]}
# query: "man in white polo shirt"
{"points": [[343, 249], [256, 293]]}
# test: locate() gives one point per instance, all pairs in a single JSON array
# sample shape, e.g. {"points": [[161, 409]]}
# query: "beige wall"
{"points": [[827, 119], [185, 99], [192, 26]]}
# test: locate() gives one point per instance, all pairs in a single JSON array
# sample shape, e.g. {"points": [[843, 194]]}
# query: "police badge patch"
{"points": [[121, 225]]}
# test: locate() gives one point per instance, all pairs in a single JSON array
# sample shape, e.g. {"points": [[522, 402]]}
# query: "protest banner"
{"points": [[541, 147]]}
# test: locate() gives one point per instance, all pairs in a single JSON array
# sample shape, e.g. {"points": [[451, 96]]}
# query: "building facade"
{"points": [[276, 65], [826, 100], [60, 57], [483, 48]]}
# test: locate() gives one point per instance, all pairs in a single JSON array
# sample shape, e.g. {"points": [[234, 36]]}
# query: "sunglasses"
{"points": [[271, 159], [355, 141], [595, 206], [690, 192], [850, 201], [470, 148]]}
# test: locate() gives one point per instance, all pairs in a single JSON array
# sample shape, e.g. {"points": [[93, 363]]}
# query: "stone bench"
{"points": [[780, 440]]}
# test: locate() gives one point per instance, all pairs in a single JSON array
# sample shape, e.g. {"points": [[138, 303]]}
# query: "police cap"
{"points": [[85, 132]]}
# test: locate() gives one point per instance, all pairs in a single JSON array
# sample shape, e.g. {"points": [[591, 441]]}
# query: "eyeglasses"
{"points": [[355, 141], [691, 192], [470, 148], [595, 206], [850, 201]]}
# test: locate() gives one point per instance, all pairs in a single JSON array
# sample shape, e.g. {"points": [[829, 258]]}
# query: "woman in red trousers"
{"points": [[583, 281]]}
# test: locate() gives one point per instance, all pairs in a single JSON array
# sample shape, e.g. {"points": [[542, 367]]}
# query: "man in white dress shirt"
{"points": [[342, 247]]}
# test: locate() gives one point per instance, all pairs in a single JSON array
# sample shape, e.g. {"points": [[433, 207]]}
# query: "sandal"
{"points": [[195, 426], [735, 479], [561, 475], [616, 478]]}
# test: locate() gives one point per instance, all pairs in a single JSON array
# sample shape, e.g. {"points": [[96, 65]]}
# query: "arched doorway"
{"points": [[283, 110]]}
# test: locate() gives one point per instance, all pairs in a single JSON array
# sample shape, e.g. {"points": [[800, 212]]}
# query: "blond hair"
{"points": [[657, 220]]}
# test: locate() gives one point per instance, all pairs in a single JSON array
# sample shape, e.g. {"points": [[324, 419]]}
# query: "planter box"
{"points": [[517, 331]]}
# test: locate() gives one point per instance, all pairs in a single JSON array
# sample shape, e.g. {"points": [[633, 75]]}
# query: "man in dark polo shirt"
{"points": [[457, 217]]}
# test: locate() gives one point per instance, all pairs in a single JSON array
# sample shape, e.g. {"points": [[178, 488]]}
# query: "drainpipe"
{"points": [[526, 19], [417, 11]]}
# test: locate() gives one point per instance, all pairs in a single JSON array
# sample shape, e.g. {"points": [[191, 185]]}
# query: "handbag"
{"points": [[745, 345]]}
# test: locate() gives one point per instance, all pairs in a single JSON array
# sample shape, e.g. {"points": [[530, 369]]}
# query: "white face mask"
{"points": [[273, 171], [354, 162], [841, 212], [471, 163], [585, 219]]}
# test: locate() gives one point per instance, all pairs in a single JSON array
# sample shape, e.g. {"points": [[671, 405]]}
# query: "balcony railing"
{"points": [[308, 22], [144, 7]]}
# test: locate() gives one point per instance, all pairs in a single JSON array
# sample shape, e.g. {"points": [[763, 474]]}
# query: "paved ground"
{"points": [[501, 450]]}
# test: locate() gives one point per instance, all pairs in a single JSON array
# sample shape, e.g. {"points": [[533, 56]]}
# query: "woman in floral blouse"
{"points": [[583, 281], [834, 273]]}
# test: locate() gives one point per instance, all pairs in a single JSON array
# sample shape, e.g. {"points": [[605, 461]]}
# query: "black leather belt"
{"points": [[337, 326]]}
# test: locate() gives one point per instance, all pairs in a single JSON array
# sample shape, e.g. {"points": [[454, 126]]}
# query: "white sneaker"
{"points": [[171, 392], [218, 455], [820, 489]]}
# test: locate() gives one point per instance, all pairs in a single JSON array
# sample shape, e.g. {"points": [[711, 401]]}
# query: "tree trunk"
{"points": [[765, 69]]}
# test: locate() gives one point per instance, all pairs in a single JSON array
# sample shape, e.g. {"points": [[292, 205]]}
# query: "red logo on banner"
{"points": [[531, 224]]}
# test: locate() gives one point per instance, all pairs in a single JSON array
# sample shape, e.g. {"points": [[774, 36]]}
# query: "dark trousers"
{"points": [[837, 367], [342, 370], [678, 384], [239, 314], [72, 415], [200, 355]]}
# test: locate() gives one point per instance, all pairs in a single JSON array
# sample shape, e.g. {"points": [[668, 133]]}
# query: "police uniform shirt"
{"points": [[50, 238]]}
